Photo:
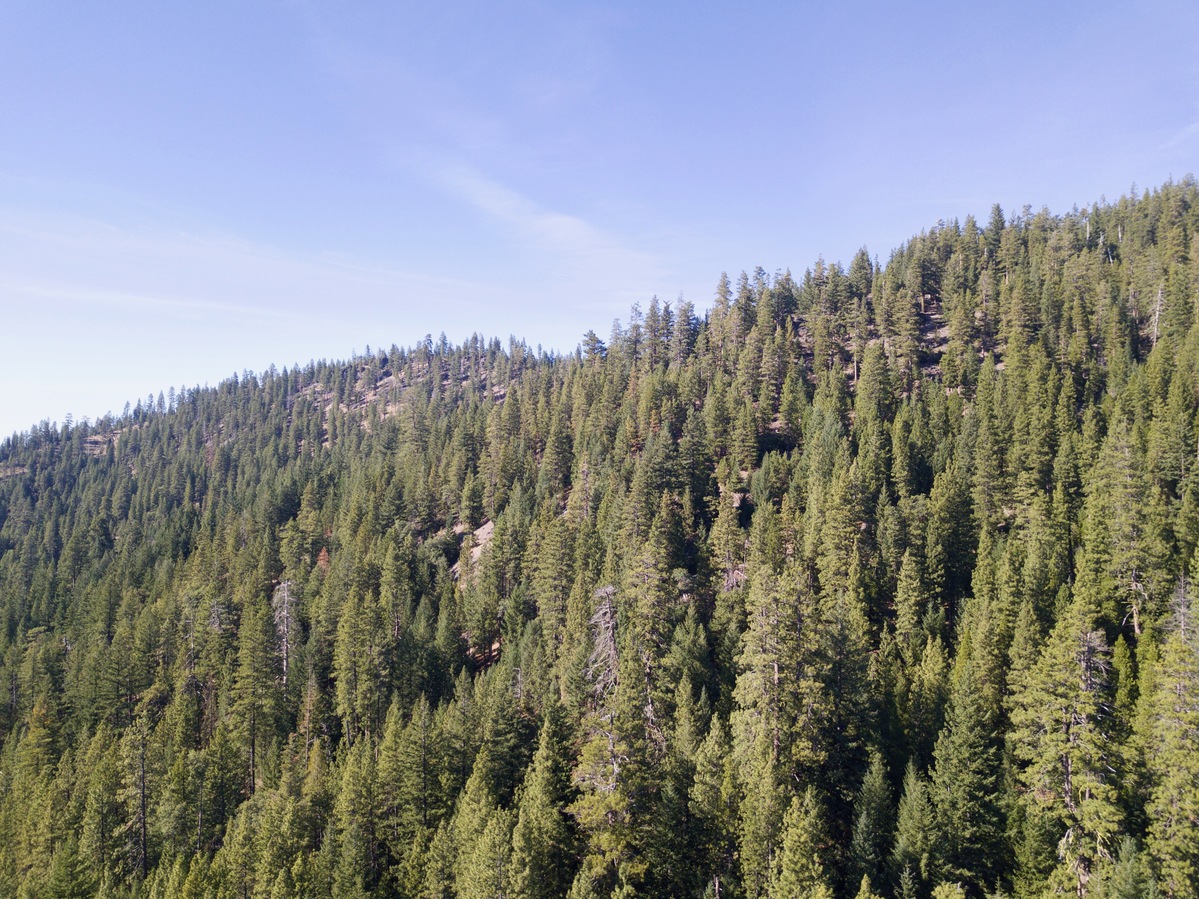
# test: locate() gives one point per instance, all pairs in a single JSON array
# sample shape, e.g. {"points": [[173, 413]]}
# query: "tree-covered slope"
{"points": [[872, 583]]}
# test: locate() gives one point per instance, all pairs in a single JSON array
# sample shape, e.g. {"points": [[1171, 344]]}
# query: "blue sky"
{"points": [[189, 190]]}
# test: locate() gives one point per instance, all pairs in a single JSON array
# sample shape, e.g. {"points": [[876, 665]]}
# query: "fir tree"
{"points": [[801, 870], [1059, 735], [915, 856], [1173, 755], [873, 828], [543, 841], [965, 785]]}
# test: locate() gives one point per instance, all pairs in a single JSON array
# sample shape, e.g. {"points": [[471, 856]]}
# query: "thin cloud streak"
{"points": [[1181, 137], [90, 261], [114, 298], [583, 248]]}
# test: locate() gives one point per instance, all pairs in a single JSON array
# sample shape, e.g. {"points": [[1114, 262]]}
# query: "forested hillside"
{"points": [[875, 582]]}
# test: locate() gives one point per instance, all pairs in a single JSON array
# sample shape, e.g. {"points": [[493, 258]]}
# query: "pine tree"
{"points": [[1124, 527], [714, 798], [291, 635], [356, 822], [485, 870], [1173, 755], [543, 840], [874, 823], [866, 890], [255, 690], [141, 770], [922, 710], [965, 783], [606, 774], [70, 877], [102, 813], [847, 726], [352, 864], [410, 768], [802, 868], [357, 660], [774, 669], [910, 606], [1127, 876], [915, 855], [1060, 738]]}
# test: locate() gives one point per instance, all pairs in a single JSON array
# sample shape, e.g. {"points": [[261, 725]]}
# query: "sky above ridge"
{"points": [[191, 190]]}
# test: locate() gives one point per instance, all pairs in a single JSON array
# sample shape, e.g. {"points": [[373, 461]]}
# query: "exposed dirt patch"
{"points": [[478, 540], [482, 536], [97, 444]]}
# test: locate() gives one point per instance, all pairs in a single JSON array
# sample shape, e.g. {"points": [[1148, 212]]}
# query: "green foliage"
{"points": [[1171, 758], [544, 843], [801, 868], [916, 852], [873, 826], [1060, 735], [965, 785]]}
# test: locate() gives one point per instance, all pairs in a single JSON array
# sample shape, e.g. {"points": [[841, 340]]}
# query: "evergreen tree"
{"points": [[1059, 735], [873, 828], [70, 877], [543, 841], [292, 635], [801, 869], [915, 856], [714, 797], [965, 784], [255, 690], [486, 870], [1173, 755], [1127, 876]]}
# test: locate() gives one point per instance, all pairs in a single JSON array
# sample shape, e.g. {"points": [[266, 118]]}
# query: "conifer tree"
{"points": [[291, 635], [485, 871], [410, 776], [915, 855], [1173, 755], [910, 607], [255, 691], [866, 890], [356, 822], [1124, 529], [102, 813], [773, 669], [141, 770], [873, 827], [543, 840], [714, 798], [1060, 738], [607, 774], [802, 868], [1127, 876], [965, 783]]}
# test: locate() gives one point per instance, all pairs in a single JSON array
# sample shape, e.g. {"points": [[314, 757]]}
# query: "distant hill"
{"points": [[870, 582]]}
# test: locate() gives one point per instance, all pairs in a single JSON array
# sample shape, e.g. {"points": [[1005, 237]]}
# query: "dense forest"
{"points": [[873, 583]]}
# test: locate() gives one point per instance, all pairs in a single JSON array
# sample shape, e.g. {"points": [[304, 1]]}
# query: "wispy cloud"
{"points": [[66, 258], [475, 128], [1183, 136], [570, 243], [51, 292]]}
